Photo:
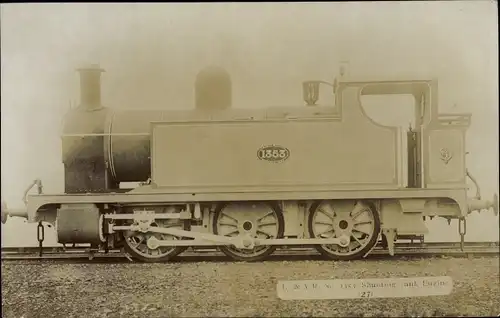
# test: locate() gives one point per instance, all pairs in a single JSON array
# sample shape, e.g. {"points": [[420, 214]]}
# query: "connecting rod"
{"points": [[241, 242]]}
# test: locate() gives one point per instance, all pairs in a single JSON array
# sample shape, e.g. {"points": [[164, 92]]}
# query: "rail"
{"points": [[401, 249]]}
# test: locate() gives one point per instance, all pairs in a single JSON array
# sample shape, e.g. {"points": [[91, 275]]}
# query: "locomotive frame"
{"points": [[276, 195]]}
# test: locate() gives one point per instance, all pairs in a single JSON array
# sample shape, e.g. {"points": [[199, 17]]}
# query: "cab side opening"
{"points": [[398, 110]]}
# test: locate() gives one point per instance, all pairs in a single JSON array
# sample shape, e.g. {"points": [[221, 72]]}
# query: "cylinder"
{"points": [[79, 224]]}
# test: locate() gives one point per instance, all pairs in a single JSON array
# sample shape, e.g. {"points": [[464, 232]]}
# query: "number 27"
{"points": [[367, 294]]}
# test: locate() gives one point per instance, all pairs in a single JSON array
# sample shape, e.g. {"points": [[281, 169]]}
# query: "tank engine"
{"points": [[248, 181]]}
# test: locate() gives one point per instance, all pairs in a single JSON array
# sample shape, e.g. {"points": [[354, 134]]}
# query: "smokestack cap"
{"points": [[213, 89], [91, 67]]}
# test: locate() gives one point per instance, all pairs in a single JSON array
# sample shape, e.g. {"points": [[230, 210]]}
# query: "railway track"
{"points": [[432, 249]]}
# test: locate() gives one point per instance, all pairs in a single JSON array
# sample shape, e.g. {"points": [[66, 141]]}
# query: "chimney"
{"points": [[90, 87]]}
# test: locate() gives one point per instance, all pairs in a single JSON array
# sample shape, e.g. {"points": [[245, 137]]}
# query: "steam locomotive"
{"points": [[250, 180]]}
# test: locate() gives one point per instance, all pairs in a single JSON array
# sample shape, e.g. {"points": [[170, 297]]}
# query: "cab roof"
{"points": [[390, 86]]}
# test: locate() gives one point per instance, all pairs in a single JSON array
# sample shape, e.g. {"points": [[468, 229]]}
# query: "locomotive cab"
{"points": [[435, 151]]}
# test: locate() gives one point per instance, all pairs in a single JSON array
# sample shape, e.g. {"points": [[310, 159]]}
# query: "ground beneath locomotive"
{"points": [[237, 289]]}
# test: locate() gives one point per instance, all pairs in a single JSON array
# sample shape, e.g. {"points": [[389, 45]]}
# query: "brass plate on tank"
{"points": [[273, 153]]}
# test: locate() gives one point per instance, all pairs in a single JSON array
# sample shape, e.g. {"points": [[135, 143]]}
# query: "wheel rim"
{"points": [[258, 220], [333, 219], [137, 241]]}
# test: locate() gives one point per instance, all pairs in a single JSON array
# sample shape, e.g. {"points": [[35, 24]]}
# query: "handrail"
{"points": [[37, 183], [478, 191], [456, 119]]}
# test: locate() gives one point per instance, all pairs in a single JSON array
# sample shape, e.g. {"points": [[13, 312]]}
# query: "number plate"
{"points": [[273, 153]]}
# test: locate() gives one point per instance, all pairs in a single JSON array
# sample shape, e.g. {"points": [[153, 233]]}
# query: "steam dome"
{"points": [[213, 89]]}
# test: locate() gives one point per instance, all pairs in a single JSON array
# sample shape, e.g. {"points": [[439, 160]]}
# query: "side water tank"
{"points": [[213, 90]]}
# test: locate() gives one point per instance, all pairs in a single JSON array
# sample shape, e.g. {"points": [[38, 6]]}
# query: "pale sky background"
{"points": [[152, 53]]}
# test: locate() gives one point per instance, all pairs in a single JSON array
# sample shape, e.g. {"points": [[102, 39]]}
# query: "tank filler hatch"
{"points": [[213, 89]]}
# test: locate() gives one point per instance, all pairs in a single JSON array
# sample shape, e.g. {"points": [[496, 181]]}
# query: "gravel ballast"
{"points": [[225, 289]]}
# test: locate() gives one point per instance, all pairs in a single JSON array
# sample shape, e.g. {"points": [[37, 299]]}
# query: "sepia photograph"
{"points": [[300, 159]]}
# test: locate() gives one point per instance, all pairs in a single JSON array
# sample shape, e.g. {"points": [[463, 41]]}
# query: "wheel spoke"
{"points": [[228, 224], [263, 217], [361, 231], [358, 210], [267, 224], [142, 248], [331, 217], [324, 223], [232, 232], [329, 230], [357, 240], [230, 217], [265, 233], [141, 239], [362, 222]]}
